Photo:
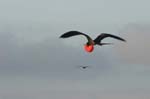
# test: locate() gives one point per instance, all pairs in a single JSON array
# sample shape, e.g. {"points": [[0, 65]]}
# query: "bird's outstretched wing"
{"points": [[74, 33], [105, 35]]}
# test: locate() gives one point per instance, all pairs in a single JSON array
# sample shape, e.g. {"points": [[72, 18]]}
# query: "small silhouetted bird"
{"points": [[83, 67], [89, 46]]}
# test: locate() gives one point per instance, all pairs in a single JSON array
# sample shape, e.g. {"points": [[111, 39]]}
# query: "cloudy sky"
{"points": [[36, 64]]}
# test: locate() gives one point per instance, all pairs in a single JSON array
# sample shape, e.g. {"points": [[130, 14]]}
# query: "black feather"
{"points": [[105, 35], [70, 33], [75, 33]]}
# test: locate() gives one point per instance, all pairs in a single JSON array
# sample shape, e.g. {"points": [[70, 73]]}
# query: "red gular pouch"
{"points": [[89, 48]]}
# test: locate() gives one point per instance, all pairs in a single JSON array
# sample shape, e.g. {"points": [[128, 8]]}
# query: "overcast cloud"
{"points": [[36, 64]]}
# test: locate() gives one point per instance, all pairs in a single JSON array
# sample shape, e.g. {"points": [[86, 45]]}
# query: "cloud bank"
{"points": [[136, 50]]}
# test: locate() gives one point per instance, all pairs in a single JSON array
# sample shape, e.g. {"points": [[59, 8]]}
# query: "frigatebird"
{"points": [[89, 46]]}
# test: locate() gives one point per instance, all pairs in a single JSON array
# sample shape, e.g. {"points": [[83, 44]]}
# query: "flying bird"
{"points": [[83, 67], [89, 46]]}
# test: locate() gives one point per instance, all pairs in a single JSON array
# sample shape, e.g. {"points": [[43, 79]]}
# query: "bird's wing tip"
{"points": [[124, 40], [61, 36]]}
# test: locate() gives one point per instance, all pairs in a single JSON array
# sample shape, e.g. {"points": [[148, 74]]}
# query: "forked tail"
{"points": [[101, 44]]}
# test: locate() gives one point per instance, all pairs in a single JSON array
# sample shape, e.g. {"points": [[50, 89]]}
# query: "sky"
{"points": [[35, 63]]}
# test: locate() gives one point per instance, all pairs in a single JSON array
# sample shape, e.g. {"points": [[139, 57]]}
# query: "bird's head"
{"points": [[88, 43]]}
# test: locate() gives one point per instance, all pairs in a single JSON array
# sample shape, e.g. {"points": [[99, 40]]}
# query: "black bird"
{"points": [[89, 46], [84, 67]]}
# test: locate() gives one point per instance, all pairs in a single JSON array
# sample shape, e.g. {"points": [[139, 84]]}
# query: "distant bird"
{"points": [[84, 67], [89, 46]]}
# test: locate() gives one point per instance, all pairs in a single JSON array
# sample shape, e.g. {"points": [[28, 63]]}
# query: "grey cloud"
{"points": [[136, 50], [47, 67], [47, 56], [34, 63]]}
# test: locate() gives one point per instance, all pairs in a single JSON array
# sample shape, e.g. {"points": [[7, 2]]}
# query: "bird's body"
{"points": [[89, 46], [84, 67]]}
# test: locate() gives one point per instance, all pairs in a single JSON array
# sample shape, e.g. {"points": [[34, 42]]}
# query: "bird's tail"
{"points": [[101, 44]]}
